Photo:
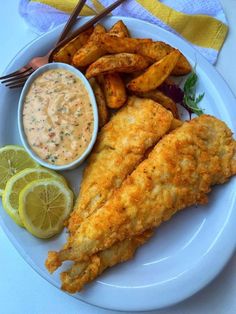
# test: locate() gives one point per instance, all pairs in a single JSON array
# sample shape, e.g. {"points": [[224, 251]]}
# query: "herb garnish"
{"points": [[190, 99]]}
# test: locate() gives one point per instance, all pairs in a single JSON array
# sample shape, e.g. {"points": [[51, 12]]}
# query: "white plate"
{"points": [[188, 251]]}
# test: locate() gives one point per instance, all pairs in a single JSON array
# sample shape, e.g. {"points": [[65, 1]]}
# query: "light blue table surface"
{"points": [[23, 291]]}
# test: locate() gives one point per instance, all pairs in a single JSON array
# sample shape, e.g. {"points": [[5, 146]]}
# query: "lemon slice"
{"points": [[15, 185], [13, 159], [44, 205]]}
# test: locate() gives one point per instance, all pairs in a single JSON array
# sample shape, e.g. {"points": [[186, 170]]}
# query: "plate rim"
{"points": [[221, 265]]}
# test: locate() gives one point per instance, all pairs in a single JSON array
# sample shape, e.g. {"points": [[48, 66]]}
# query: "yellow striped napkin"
{"points": [[202, 23]]}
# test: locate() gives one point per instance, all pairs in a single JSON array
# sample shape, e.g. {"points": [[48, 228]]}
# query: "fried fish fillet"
{"points": [[82, 273], [178, 173], [120, 147], [100, 176]]}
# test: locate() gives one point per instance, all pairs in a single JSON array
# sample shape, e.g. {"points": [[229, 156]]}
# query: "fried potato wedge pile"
{"points": [[118, 65], [146, 47]]}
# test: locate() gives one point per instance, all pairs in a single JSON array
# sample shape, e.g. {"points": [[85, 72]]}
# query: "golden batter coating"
{"points": [[120, 147], [82, 273], [106, 170], [178, 173]]}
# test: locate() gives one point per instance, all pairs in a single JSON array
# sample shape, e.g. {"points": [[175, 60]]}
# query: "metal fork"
{"points": [[19, 77]]}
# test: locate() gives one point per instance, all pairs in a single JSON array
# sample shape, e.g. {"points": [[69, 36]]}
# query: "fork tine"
{"points": [[22, 81], [9, 75], [16, 73], [16, 86], [17, 78]]}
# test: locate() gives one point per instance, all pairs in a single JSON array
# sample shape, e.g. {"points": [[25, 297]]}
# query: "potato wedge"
{"points": [[182, 67], [114, 90], [119, 29], [103, 114], [155, 75], [121, 62], [66, 53], [115, 45], [146, 47], [98, 30], [175, 124], [157, 50], [92, 50], [162, 99]]}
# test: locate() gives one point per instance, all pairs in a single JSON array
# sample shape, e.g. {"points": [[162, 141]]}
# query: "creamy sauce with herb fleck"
{"points": [[58, 117]]}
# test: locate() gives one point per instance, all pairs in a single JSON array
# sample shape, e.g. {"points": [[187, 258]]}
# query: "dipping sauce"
{"points": [[58, 117]]}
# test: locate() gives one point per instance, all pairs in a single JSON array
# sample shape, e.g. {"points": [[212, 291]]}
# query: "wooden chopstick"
{"points": [[72, 19], [86, 26]]}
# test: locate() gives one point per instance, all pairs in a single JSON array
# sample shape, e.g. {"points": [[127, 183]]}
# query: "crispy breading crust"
{"points": [[178, 173], [120, 147], [82, 273], [151, 131]]}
